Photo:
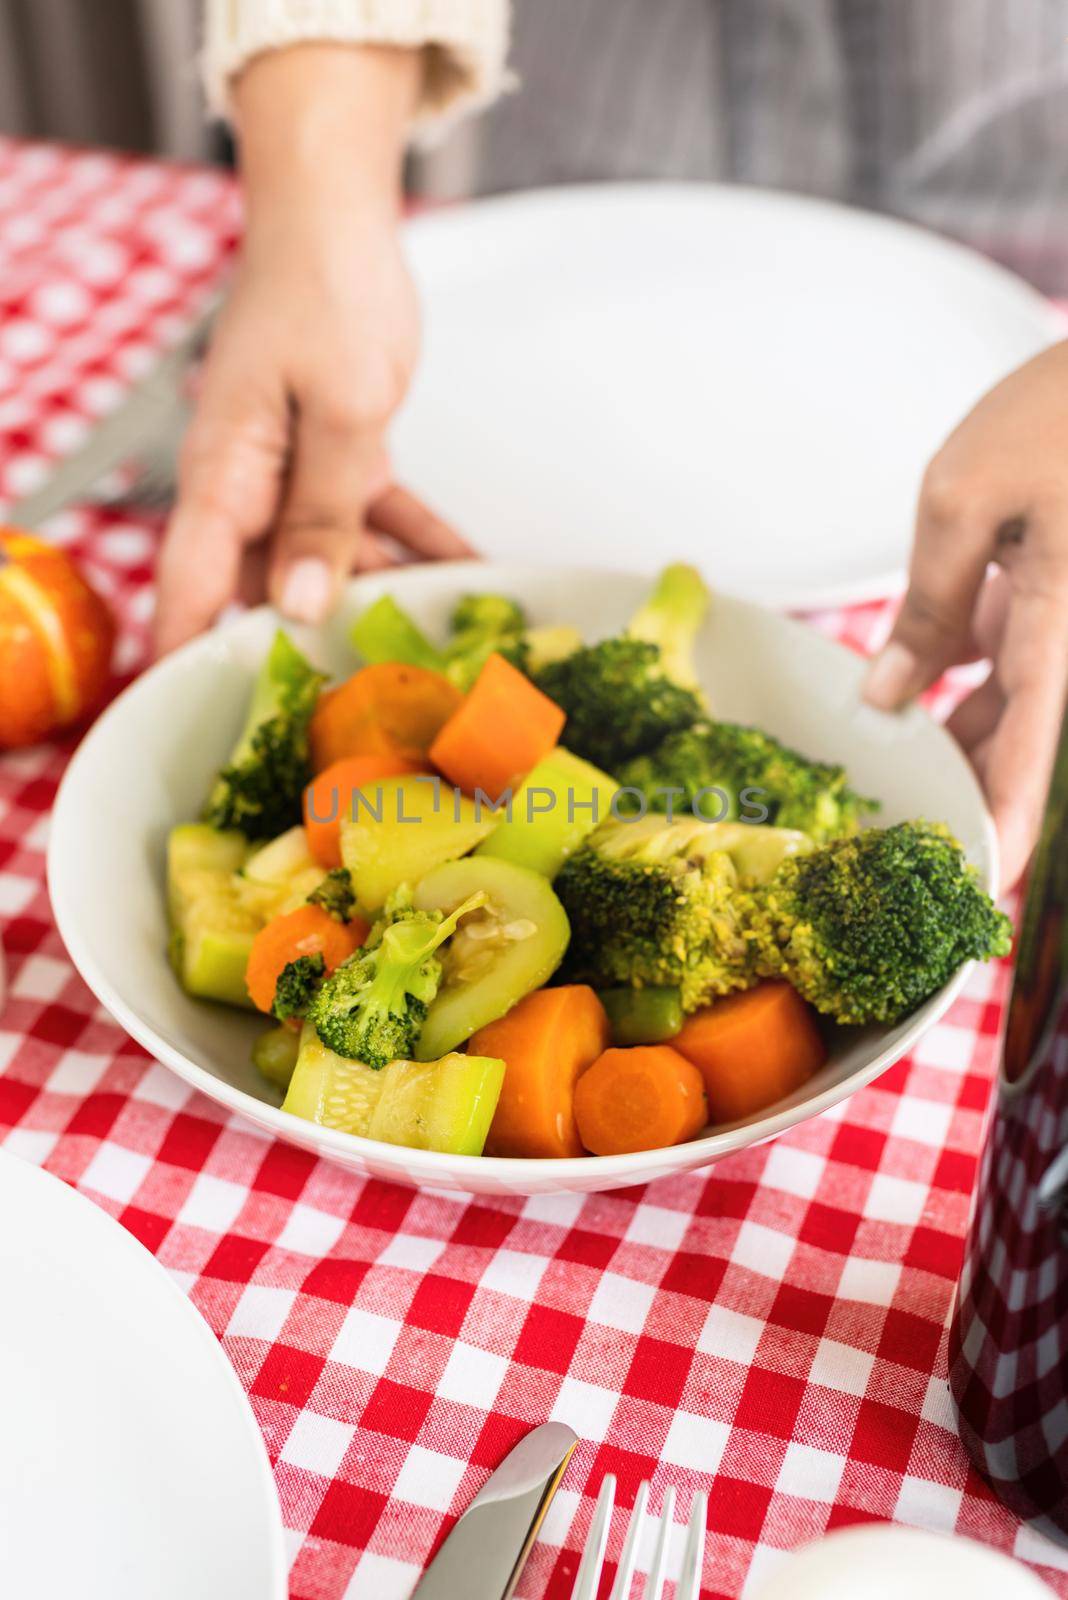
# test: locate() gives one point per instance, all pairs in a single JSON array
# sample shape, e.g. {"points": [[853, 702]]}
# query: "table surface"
{"points": [[771, 1330]]}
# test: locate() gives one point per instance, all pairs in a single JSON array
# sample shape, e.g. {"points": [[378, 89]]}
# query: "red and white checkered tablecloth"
{"points": [[772, 1330]]}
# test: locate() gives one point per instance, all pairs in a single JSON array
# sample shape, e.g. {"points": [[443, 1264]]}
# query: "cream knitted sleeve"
{"points": [[464, 43]]}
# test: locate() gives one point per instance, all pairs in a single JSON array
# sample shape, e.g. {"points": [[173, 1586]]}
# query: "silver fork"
{"points": [[592, 1564]]}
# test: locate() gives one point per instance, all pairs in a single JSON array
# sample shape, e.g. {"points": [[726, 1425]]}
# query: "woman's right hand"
{"points": [[284, 480]]}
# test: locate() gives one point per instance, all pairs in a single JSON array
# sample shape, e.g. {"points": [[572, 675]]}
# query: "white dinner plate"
{"points": [[149, 760], [750, 380], [130, 1463]]}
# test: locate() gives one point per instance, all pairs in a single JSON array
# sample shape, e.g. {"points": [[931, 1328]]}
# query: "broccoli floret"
{"points": [[812, 796], [335, 894], [867, 928], [671, 619], [297, 983], [259, 791], [480, 625], [624, 696], [372, 1007], [653, 903], [617, 700], [487, 614]]}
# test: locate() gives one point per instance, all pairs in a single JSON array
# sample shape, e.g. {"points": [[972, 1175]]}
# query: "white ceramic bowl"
{"points": [[147, 762]]}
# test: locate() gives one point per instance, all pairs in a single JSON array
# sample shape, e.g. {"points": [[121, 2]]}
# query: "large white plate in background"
{"points": [[751, 380], [130, 1463]]}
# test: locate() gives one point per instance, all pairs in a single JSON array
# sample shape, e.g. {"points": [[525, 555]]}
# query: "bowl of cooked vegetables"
{"points": [[514, 879]]}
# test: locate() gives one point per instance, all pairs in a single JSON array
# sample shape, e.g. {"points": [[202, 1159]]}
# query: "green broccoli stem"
{"points": [[405, 947], [671, 618]]}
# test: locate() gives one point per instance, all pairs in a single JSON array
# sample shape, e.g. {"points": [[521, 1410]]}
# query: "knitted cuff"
{"points": [[464, 44]]}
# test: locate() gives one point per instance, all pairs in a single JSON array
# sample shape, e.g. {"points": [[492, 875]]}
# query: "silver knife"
{"points": [[485, 1552], [151, 418]]}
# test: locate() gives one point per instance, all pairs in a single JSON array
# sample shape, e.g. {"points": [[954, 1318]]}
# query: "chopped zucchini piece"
{"points": [[330, 1089], [199, 857], [211, 930], [444, 1105], [282, 858], [280, 876], [500, 952], [210, 946], [439, 1105], [412, 826], [557, 806]]}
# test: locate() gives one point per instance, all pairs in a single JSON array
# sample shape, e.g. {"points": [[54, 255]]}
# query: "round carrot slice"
{"points": [[643, 1098]]}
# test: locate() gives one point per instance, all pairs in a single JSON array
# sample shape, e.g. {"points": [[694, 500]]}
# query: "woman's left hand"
{"points": [[989, 579]]}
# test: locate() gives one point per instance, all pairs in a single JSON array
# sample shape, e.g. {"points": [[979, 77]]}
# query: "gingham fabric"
{"points": [[772, 1331]]}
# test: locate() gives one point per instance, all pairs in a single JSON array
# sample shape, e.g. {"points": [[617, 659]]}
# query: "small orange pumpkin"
{"points": [[56, 639]]}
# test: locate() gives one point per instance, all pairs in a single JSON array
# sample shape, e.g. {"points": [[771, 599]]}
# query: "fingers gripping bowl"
{"points": [[145, 768]]}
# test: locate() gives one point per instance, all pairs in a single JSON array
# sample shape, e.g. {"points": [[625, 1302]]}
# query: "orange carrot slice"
{"points": [[307, 931], [643, 1098], [545, 1042], [504, 727], [328, 799], [752, 1048], [389, 709]]}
